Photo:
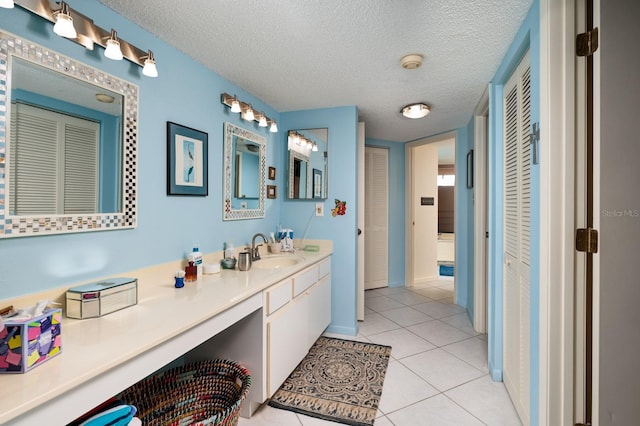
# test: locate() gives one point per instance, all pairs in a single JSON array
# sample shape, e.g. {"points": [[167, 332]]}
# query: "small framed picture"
{"points": [[187, 166], [272, 191], [272, 173]]}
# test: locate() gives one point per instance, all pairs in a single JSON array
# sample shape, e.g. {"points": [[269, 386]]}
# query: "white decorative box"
{"points": [[101, 298]]}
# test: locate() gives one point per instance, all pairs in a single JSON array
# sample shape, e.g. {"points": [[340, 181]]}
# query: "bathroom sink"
{"points": [[273, 262]]}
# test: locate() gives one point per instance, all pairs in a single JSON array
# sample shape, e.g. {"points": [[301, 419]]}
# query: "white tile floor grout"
{"points": [[437, 374]]}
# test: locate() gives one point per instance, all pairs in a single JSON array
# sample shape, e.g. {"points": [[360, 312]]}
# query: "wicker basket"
{"points": [[204, 393]]}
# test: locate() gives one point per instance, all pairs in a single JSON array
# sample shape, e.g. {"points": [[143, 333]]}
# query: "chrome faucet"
{"points": [[255, 253]]}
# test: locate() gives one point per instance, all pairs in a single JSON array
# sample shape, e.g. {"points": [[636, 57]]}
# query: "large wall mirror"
{"points": [[69, 159], [244, 173], [308, 170]]}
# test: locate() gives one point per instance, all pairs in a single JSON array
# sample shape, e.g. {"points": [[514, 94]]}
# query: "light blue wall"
{"points": [[464, 226], [527, 38], [186, 93], [397, 222], [299, 215]]}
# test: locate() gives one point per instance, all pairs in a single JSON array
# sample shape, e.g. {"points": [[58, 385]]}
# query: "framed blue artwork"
{"points": [[187, 164]]}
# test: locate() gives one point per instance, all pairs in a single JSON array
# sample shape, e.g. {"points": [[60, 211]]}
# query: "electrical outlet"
{"points": [[319, 209]]}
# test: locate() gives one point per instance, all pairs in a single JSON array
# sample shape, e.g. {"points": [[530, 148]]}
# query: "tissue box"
{"points": [[29, 343]]}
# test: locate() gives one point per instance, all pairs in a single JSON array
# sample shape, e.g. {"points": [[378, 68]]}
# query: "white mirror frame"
{"points": [[32, 225], [228, 213]]}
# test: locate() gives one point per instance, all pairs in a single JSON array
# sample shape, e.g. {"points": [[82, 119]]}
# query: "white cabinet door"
{"points": [[319, 309], [285, 333]]}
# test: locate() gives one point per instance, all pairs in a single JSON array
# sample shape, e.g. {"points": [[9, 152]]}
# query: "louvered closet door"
{"points": [[517, 237], [376, 212], [80, 168], [55, 163]]}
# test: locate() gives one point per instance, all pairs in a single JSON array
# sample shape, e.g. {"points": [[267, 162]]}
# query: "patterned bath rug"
{"points": [[339, 380]]}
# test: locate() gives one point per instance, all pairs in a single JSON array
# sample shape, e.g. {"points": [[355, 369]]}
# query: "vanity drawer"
{"points": [[324, 268], [278, 296], [305, 280]]}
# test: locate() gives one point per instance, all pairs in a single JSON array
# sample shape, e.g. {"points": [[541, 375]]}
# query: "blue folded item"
{"points": [[112, 412], [119, 415]]}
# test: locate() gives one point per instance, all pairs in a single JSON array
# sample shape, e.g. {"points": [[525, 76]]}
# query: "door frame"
{"points": [[361, 223], [409, 186], [557, 201], [480, 198]]}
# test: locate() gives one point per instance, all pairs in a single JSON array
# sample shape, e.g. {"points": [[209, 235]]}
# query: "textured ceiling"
{"points": [[303, 54]]}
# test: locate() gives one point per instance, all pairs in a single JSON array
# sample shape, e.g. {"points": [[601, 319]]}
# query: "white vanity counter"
{"points": [[102, 356]]}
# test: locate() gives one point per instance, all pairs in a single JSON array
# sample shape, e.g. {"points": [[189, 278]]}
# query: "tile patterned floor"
{"points": [[438, 372]]}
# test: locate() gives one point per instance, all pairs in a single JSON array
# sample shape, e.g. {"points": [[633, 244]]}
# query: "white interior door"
{"points": [[361, 224], [517, 231], [376, 218]]}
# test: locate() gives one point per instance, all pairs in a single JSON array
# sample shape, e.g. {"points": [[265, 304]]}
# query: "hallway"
{"points": [[438, 372]]}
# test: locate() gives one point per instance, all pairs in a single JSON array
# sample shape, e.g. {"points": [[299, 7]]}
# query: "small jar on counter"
{"points": [[179, 276], [191, 272]]}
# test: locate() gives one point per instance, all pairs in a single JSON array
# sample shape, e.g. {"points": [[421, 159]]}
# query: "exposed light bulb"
{"points": [[112, 51]]}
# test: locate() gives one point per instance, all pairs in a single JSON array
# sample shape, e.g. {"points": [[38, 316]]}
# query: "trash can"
{"points": [[208, 392]]}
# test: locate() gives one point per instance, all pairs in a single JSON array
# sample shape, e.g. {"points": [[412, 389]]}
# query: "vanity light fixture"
{"points": [[417, 110], [304, 143], [81, 29], [113, 50], [64, 22], [150, 69], [247, 112]]}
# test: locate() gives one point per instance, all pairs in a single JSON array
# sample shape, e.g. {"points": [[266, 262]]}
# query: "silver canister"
{"points": [[244, 261]]}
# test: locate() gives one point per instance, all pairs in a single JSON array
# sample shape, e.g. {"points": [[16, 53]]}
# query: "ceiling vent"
{"points": [[412, 61]]}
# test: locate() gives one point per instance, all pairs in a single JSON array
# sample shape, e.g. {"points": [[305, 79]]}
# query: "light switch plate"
{"points": [[319, 209]]}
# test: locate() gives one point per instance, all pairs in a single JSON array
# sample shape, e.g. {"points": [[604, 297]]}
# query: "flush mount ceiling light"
{"points": [[418, 110], [411, 61], [64, 22], [103, 97]]}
